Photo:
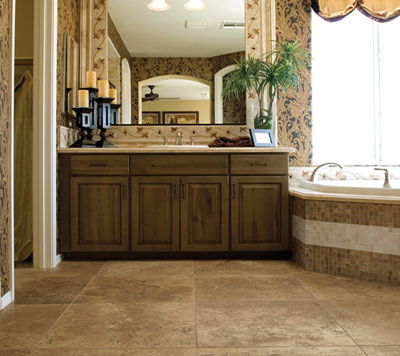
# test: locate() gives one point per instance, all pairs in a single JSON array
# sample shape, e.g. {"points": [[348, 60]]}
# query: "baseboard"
{"points": [[5, 300], [59, 258]]}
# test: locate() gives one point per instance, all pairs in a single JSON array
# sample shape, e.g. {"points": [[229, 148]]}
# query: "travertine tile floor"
{"points": [[197, 308]]}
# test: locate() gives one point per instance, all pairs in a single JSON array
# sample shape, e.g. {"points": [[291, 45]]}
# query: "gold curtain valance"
{"points": [[377, 10]]}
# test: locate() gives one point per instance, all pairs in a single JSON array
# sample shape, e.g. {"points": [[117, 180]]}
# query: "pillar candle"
{"points": [[103, 89], [91, 79], [113, 94], [83, 98]]}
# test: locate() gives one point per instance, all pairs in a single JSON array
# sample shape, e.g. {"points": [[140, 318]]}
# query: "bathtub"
{"points": [[356, 187]]}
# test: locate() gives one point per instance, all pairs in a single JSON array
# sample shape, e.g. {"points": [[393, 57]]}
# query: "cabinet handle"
{"points": [[98, 165], [184, 191], [176, 191], [124, 191], [234, 191], [260, 164]]}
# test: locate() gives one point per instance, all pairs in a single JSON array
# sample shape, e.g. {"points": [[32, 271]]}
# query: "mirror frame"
{"points": [[71, 73]]}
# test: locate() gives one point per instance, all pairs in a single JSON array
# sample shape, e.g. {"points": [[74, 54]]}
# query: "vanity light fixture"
{"points": [[158, 5], [195, 5]]}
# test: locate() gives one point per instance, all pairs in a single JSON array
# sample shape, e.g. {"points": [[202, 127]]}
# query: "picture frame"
{"points": [[180, 117], [262, 138], [151, 117]]}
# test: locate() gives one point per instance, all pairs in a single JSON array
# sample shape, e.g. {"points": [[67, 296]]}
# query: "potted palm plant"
{"points": [[273, 72]]}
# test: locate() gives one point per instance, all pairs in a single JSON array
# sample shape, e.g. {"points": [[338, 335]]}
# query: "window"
{"points": [[356, 90]]}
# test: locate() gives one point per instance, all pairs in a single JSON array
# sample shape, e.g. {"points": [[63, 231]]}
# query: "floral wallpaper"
{"points": [[68, 22], [204, 68], [4, 144], [293, 23], [99, 39]]}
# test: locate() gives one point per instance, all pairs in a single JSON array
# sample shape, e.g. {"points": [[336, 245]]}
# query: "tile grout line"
{"points": [[326, 311], [195, 316], [69, 306]]}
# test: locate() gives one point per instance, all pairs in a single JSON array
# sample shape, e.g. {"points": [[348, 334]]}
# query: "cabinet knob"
{"points": [[234, 191], [260, 164]]}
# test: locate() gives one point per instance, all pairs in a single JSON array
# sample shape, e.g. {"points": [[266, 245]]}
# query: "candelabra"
{"points": [[104, 121], [83, 121], [114, 113]]}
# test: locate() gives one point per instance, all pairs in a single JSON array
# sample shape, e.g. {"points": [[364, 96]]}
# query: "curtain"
{"points": [[23, 225], [334, 10]]}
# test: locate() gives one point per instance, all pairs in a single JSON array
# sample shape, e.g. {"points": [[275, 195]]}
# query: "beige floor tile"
{"points": [[293, 267], [381, 350], [218, 288], [22, 326], [147, 289], [369, 323], [82, 270], [122, 268], [14, 352], [285, 351], [152, 325], [331, 288], [47, 290], [267, 324], [115, 352], [240, 267]]}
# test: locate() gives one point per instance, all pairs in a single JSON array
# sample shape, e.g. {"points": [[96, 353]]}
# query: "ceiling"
{"points": [[179, 88], [149, 33]]}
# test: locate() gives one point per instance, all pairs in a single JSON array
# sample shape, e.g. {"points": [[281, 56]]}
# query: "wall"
{"points": [[117, 41], [202, 106], [68, 22], [24, 29], [5, 54], [203, 68], [293, 23]]}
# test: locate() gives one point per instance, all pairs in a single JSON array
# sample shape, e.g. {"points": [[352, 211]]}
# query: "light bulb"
{"points": [[195, 5], [158, 5]]}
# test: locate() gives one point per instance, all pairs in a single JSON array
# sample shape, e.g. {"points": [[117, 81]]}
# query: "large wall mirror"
{"points": [[176, 55]]}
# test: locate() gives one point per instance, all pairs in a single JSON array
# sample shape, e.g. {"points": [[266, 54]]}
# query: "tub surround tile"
{"points": [[146, 268], [371, 323], [23, 326], [267, 324], [285, 351], [47, 290], [331, 288], [232, 288], [134, 289], [225, 267], [382, 350], [122, 326]]}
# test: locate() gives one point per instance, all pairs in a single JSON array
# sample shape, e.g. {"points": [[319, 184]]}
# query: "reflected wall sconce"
{"points": [[158, 5], [195, 5]]}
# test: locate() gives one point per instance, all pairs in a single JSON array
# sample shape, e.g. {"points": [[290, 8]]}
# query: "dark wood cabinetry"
{"points": [[174, 203]]}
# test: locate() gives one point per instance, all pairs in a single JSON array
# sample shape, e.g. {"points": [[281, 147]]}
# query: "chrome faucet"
{"points": [[165, 140], [316, 171], [386, 184], [192, 141], [178, 139]]}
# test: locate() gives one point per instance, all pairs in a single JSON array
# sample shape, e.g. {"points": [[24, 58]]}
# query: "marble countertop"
{"points": [[177, 149], [308, 194]]}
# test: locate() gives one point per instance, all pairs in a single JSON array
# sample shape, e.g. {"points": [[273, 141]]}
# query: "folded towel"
{"points": [[243, 141]]}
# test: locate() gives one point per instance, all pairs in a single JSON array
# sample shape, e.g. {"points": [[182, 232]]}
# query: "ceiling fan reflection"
{"points": [[154, 96]]}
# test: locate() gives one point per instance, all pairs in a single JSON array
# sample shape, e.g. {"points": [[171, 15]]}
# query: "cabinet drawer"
{"points": [[262, 164], [103, 165], [179, 164]]}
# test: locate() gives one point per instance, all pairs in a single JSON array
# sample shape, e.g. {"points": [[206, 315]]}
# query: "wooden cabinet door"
{"points": [[204, 214], [99, 214], [259, 213], [155, 213]]}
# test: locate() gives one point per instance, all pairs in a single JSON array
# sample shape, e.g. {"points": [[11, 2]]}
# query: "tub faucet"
{"points": [[178, 139], [386, 184], [314, 175]]}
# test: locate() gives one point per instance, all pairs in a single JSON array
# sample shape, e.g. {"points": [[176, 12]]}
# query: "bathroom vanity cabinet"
{"points": [[173, 203]]}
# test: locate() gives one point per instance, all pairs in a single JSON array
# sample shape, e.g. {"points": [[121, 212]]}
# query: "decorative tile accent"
{"points": [[5, 40], [99, 41]]}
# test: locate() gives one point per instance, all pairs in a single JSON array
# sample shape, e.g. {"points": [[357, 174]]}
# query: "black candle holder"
{"points": [[104, 121], [93, 104], [83, 118], [114, 113]]}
